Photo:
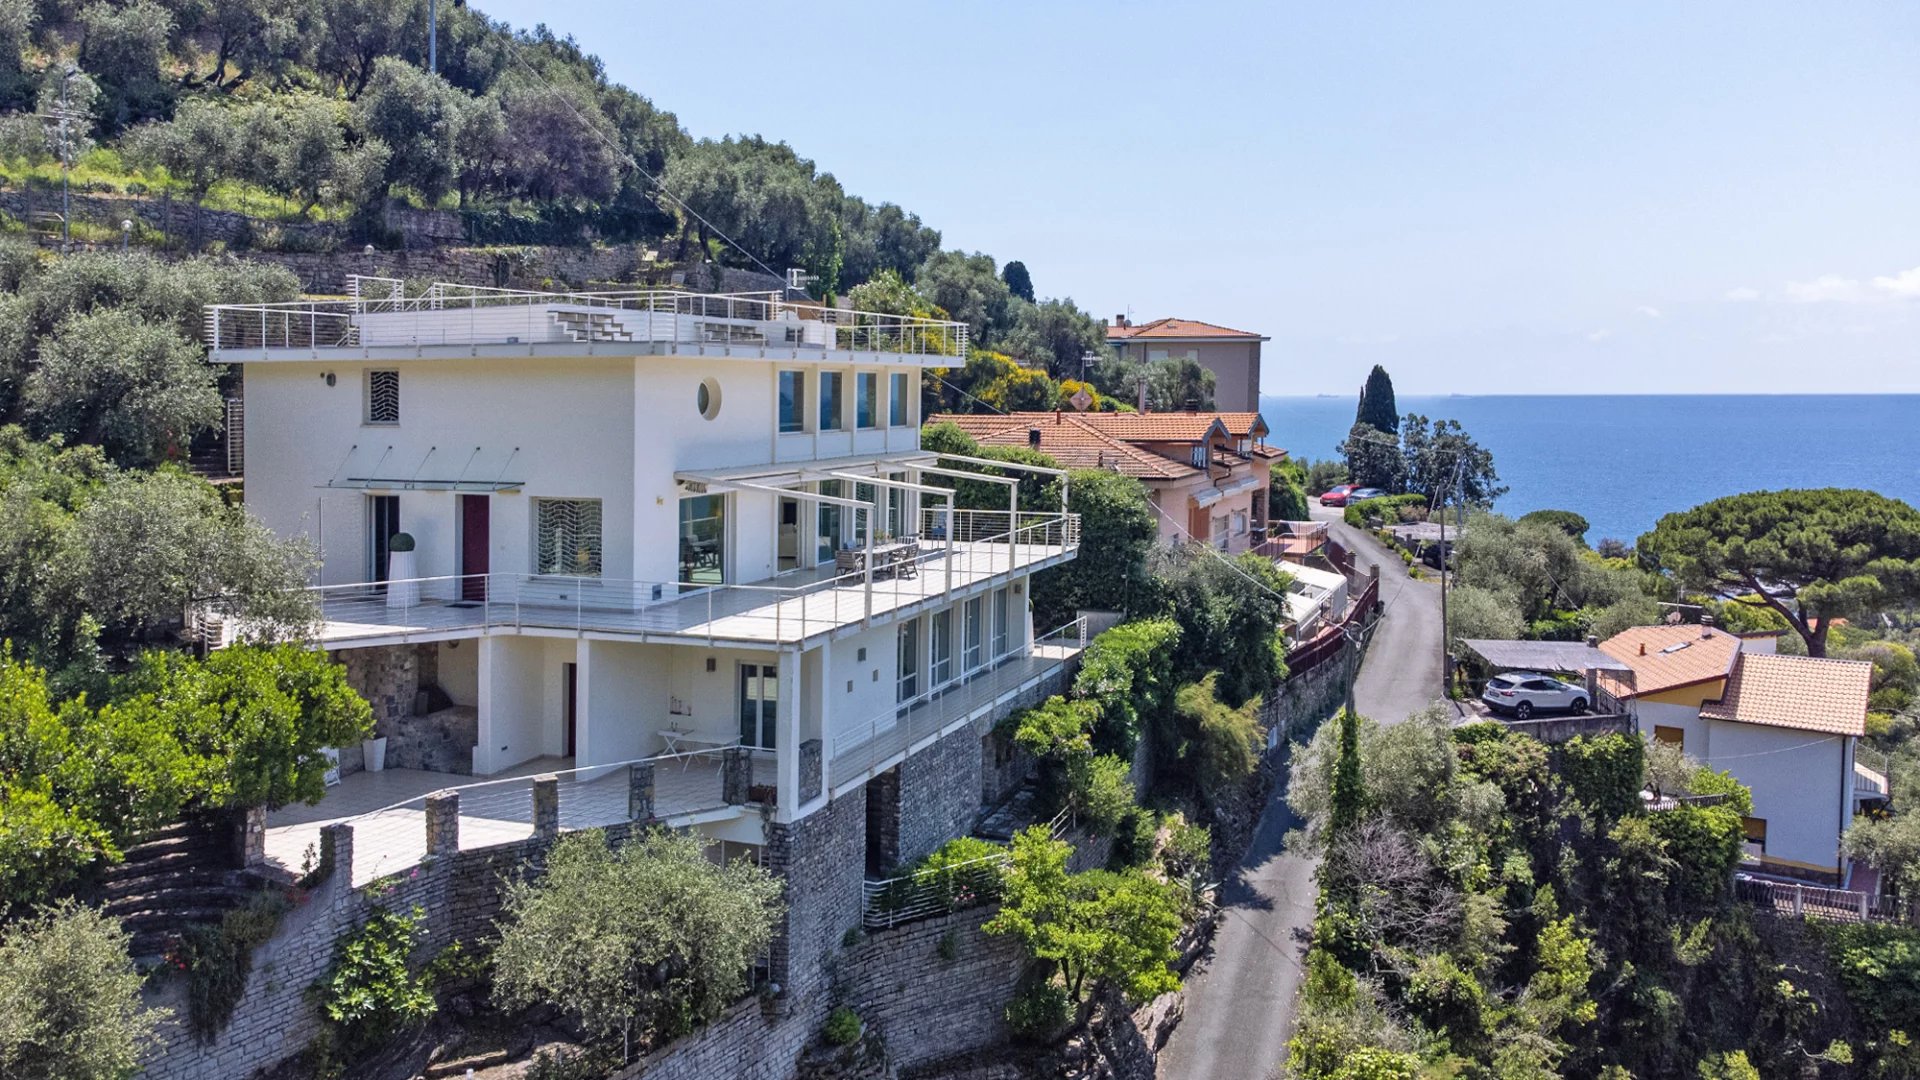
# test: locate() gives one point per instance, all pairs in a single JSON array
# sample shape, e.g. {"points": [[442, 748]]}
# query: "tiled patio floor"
{"points": [[784, 608]]}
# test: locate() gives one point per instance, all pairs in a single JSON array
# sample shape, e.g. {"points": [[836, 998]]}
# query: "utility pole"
{"points": [[1446, 658], [433, 37]]}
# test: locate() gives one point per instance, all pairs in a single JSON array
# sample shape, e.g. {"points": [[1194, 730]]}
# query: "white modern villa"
{"points": [[690, 531]]}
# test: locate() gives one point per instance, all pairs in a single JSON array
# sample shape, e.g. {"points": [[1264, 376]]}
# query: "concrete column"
{"points": [[640, 791], [736, 775], [251, 836], [546, 806], [787, 761], [443, 823], [336, 853]]}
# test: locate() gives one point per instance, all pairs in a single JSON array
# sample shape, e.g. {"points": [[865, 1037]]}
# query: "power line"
{"points": [[631, 161]]}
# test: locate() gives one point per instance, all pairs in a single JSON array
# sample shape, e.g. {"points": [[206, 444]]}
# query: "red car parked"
{"points": [[1337, 494]]}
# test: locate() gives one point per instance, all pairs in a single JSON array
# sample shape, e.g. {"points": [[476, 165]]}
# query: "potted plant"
{"points": [[375, 752], [402, 588]]}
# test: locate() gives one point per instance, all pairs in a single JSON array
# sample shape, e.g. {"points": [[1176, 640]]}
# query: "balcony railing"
{"points": [[464, 315], [984, 549], [1020, 678]]}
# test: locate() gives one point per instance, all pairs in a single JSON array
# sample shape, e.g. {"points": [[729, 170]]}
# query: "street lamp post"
{"points": [[126, 234]]}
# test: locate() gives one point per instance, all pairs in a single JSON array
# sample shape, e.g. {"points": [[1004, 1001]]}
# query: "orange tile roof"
{"points": [[1176, 426], [1803, 692], [1176, 328], [1067, 439], [1668, 657]]}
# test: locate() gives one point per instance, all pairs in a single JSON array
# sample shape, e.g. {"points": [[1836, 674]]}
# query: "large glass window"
{"points": [[908, 654], [942, 647], [759, 704], [567, 537], [866, 399], [827, 538], [703, 533], [974, 634], [897, 399], [830, 401], [793, 401]]}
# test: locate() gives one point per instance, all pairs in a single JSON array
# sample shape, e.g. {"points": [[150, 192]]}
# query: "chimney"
{"points": [[1120, 321], [1643, 648], [1033, 438], [1593, 641], [1706, 626]]}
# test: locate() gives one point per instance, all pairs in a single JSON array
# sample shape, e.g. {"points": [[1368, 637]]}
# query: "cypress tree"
{"points": [[1377, 407], [1348, 796]]}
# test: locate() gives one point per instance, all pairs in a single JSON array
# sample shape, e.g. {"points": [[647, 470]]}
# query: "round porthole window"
{"points": [[707, 398]]}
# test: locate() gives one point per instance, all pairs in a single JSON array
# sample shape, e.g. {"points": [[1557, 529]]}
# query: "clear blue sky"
{"points": [[1521, 197]]}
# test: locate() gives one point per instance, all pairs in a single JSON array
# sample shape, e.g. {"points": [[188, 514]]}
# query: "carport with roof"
{"points": [[1572, 657]]}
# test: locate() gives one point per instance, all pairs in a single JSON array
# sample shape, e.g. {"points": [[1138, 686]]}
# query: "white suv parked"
{"points": [[1524, 693]]}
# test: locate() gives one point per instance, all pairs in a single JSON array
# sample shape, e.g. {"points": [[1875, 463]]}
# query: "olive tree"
{"points": [[645, 941], [70, 998], [147, 545], [1810, 555], [138, 390]]}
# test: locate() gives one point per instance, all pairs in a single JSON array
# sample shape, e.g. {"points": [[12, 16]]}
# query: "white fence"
{"points": [[1832, 905]]}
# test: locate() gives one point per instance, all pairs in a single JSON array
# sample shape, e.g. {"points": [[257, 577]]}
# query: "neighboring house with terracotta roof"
{"points": [[1785, 726], [1232, 355], [1206, 472]]}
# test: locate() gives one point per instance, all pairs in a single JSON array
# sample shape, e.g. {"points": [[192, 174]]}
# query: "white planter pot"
{"points": [[375, 750], [402, 589]]}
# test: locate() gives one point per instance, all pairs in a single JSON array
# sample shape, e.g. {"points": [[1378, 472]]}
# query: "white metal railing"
{"points": [[1020, 677], [468, 315], [1832, 905], [924, 893], [394, 838], [761, 611], [937, 891]]}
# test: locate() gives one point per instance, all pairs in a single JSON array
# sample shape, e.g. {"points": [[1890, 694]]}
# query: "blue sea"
{"points": [[1622, 461]]}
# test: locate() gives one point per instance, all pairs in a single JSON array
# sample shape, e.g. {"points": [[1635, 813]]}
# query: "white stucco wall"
{"points": [[1801, 781], [460, 671], [615, 429], [522, 700], [1800, 790]]}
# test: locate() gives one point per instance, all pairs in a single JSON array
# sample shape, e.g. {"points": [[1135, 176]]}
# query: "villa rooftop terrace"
{"points": [[452, 320]]}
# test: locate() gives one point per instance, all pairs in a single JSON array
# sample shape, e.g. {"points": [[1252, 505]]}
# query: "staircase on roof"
{"points": [[591, 326]]}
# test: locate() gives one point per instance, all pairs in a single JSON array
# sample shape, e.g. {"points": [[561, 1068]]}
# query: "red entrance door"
{"points": [[475, 537]]}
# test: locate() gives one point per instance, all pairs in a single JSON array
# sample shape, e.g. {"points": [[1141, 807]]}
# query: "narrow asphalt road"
{"points": [[1240, 998]]}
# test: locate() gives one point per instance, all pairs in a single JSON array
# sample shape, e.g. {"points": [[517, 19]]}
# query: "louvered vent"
{"points": [[569, 537], [383, 397]]}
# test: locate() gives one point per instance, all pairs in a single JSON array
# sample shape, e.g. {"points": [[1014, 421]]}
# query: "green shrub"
{"points": [[1384, 509], [1565, 520], [1732, 1065], [374, 990], [1101, 792], [963, 872], [1127, 673], [1220, 744], [842, 1028], [1039, 1012], [1879, 969], [218, 960], [1604, 773]]}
